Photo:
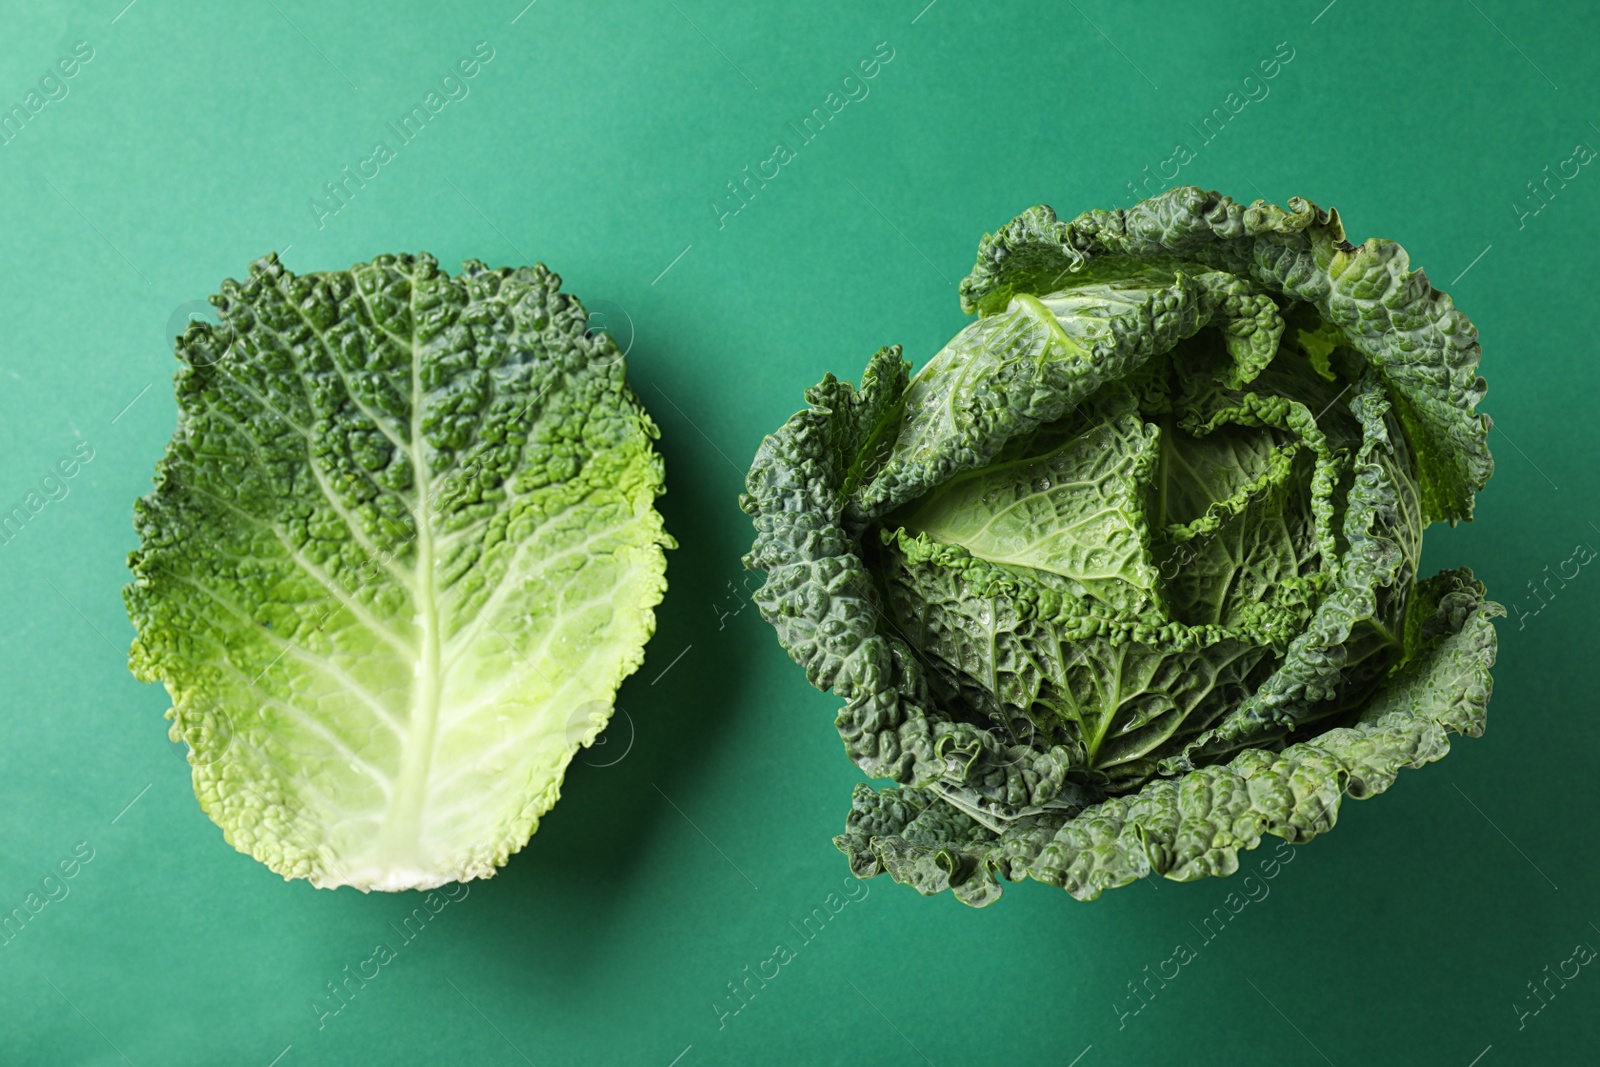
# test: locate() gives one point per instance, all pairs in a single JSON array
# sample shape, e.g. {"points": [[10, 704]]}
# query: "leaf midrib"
{"points": [[399, 840]]}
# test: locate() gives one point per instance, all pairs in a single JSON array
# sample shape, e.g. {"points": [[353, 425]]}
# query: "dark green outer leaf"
{"points": [[829, 615], [1196, 825]]}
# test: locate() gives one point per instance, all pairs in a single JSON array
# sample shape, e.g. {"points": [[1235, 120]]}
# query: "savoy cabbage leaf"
{"points": [[1127, 575], [401, 551]]}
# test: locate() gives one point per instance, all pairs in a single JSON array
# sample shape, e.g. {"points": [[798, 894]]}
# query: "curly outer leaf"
{"points": [[1196, 825], [1412, 333], [1384, 532], [828, 612], [1008, 373]]}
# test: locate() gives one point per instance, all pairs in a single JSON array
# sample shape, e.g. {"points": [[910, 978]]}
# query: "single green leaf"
{"points": [[1074, 511], [401, 551]]}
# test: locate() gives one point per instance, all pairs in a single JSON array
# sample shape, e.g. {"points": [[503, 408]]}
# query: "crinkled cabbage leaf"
{"points": [[401, 551]]}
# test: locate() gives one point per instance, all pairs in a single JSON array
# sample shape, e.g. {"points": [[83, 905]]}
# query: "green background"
{"points": [[597, 139]]}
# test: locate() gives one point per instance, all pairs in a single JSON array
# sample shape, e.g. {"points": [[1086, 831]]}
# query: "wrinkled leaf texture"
{"points": [[1126, 576], [401, 551]]}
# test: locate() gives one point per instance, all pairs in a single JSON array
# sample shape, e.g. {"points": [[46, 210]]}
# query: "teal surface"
{"points": [[656, 154]]}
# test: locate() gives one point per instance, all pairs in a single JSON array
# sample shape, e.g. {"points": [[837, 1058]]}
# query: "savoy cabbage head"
{"points": [[1127, 575], [401, 551]]}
